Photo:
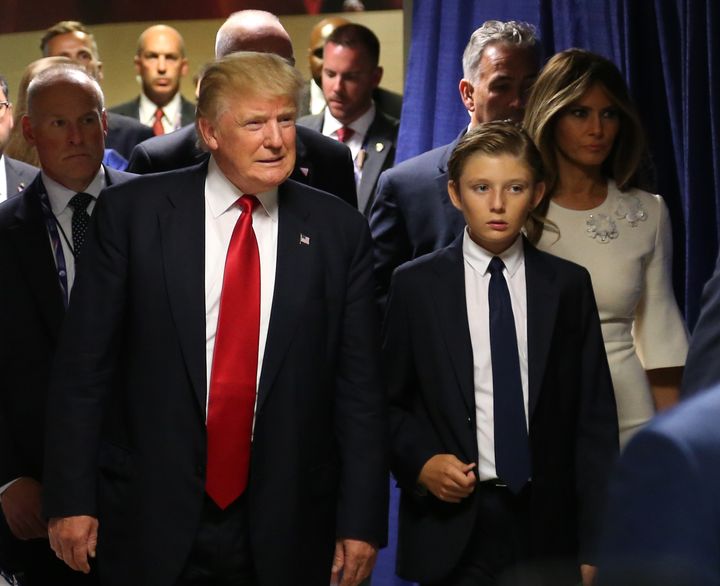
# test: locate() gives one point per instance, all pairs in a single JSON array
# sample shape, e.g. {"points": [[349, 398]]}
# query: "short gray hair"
{"points": [[518, 33]]}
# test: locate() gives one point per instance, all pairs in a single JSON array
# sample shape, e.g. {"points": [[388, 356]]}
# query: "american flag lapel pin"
{"points": [[304, 239]]}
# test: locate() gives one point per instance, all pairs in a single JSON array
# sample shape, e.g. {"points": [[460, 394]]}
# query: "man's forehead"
{"points": [[507, 60]]}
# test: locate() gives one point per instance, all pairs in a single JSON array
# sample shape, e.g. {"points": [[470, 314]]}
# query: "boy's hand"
{"points": [[448, 478]]}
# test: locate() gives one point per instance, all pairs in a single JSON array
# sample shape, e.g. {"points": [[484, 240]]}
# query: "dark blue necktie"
{"points": [[512, 447]]}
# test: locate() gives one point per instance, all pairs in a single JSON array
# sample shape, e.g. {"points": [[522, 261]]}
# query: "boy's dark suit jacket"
{"points": [[134, 350], [573, 422], [322, 163], [31, 313]]}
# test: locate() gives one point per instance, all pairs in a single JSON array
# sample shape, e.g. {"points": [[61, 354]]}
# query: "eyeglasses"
{"points": [[3, 107]]}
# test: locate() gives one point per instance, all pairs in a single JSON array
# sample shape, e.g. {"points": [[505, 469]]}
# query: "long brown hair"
{"points": [[563, 81]]}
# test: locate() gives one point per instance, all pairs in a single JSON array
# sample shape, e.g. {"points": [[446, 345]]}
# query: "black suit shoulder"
{"points": [[131, 108], [124, 133]]}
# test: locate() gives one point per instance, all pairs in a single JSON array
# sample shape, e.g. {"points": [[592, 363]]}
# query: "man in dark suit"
{"points": [[701, 367], [71, 39], [663, 518], [66, 124], [17, 175], [150, 349], [312, 100], [349, 76], [486, 497], [321, 162], [161, 64], [412, 214]]}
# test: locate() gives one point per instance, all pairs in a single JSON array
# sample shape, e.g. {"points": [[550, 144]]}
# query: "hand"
{"points": [[355, 559], [73, 539], [588, 574], [448, 478], [22, 507]]}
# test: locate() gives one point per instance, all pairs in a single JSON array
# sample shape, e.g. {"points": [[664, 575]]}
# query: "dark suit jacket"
{"points": [[125, 133], [663, 521], [380, 147], [386, 101], [412, 213], [18, 175], [134, 351], [702, 368], [573, 423], [132, 109], [31, 312], [321, 162]]}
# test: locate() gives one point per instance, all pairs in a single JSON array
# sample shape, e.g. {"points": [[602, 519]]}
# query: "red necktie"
{"points": [[157, 126], [344, 133], [234, 369]]}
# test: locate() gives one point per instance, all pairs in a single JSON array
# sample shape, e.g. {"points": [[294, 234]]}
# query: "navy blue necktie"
{"points": [[512, 447]]}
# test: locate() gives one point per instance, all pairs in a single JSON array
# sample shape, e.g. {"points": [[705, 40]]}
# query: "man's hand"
{"points": [[73, 539], [448, 478], [354, 560], [588, 574], [22, 506]]}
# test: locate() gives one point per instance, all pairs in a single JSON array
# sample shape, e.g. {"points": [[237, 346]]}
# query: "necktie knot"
{"points": [[80, 201], [345, 133], [158, 127], [248, 203], [496, 266]]}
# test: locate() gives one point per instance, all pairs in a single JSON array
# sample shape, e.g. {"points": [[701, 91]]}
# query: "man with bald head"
{"points": [[321, 162], [41, 241], [224, 331], [161, 64]]}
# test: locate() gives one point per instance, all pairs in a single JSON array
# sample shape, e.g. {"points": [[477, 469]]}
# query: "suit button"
{"points": [[200, 470], [469, 421]]}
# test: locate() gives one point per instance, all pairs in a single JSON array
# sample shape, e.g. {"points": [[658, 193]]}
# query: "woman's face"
{"points": [[585, 131]]}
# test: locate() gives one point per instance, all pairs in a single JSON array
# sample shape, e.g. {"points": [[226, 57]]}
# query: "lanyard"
{"points": [[52, 224]]}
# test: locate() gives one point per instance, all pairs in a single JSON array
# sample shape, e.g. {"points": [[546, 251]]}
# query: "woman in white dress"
{"points": [[582, 119]]}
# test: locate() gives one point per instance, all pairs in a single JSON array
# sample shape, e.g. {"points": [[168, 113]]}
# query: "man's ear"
{"points": [[206, 130], [103, 121], [467, 90], [136, 60], [27, 130], [376, 77], [454, 194]]}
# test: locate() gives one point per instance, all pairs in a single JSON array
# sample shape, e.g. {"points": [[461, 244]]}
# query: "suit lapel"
{"points": [[295, 262], [451, 310], [182, 237], [542, 306], [378, 148], [34, 253]]}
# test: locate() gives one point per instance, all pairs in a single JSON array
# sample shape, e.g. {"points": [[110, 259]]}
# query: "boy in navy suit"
{"points": [[503, 417]]}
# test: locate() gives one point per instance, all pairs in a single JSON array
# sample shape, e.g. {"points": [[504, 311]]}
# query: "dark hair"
{"points": [[63, 28], [563, 81], [356, 35]]}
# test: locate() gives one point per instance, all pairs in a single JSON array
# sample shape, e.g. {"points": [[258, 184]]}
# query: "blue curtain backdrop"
{"points": [[669, 52]]}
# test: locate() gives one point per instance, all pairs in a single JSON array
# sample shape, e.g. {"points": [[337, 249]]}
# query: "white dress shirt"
{"points": [[477, 283], [221, 215], [356, 142], [172, 112]]}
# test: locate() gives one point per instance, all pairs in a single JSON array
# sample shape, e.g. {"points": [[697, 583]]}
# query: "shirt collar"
{"points": [[360, 125], [479, 258], [170, 110], [60, 196], [222, 194]]}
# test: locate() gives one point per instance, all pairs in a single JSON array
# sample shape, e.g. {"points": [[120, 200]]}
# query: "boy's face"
{"points": [[495, 195]]}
